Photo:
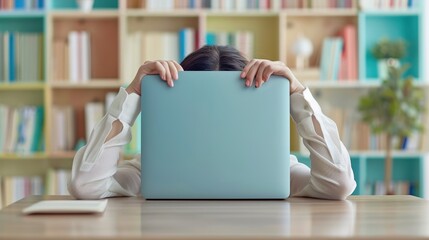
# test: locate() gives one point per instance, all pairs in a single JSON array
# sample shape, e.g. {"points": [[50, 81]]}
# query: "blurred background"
{"points": [[63, 61]]}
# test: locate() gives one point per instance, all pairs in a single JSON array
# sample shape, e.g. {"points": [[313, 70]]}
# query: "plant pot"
{"points": [[85, 5], [383, 66]]}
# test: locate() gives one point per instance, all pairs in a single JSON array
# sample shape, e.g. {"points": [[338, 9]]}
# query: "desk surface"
{"points": [[363, 217]]}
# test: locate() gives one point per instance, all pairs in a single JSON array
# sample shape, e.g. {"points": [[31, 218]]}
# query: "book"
{"points": [[67, 206]]}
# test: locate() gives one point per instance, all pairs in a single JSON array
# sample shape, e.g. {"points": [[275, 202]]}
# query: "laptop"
{"points": [[211, 137]]}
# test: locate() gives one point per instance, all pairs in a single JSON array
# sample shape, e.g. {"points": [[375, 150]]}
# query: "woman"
{"points": [[96, 173]]}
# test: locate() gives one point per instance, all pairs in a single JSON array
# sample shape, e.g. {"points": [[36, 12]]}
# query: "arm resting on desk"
{"points": [[96, 173], [331, 175]]}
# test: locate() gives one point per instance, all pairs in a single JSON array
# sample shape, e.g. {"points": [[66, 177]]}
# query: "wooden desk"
{"points": [[364, 217]]}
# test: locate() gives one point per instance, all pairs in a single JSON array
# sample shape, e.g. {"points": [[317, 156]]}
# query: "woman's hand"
{"points": [[167, 70], [258, 71]]}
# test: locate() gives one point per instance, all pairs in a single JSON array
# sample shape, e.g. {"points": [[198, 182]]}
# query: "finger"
{"points": [[161, 70], [268, 71], [178, 66], [259, 74], [247, 68], [250, 76], [167, 74], [173, 70]]}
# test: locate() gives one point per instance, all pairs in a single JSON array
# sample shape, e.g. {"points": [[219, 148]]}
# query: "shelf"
{"points": [[22, 14], [113, 83], [62, 155], [25, 157], [247, 13], [320, 12], [22, 86], [351, 84], [376, 154], [80, 14], [393, 12], [171, 13]]}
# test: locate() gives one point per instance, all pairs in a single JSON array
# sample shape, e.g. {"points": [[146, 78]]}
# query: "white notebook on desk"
{"points": [[67, 206]]}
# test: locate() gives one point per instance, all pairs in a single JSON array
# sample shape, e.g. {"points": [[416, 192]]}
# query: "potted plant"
{"points": [[394, 109], [388, 53]]}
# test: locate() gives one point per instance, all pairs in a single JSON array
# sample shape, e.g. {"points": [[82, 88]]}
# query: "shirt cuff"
{"points": [[303, 105], [125, 107]]}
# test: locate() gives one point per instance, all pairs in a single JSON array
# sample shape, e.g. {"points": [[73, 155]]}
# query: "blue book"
{"points": [[337, 63], [12, 57], [191, 3], [40, 4], [182, 44], [2, 59], [211, 38], [37, 142], [19, 4], [324, 62]]}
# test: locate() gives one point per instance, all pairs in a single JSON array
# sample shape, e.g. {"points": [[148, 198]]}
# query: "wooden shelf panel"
{"points": [[113, 83], [76, 14], [22, 14], [22, 86], [175, 13], [29, 156]]}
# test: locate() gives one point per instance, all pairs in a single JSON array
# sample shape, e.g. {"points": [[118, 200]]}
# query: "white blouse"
{"points": [[97, 174]]}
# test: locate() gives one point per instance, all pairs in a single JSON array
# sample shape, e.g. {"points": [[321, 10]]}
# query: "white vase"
{"points": [[85, 5], [383, 67]]}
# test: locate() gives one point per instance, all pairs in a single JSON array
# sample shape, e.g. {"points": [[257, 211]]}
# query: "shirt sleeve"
{"points": [[331, 175], [96, 172]]}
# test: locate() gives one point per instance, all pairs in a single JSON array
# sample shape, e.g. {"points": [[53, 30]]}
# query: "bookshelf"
{"points": [[112, 24]]}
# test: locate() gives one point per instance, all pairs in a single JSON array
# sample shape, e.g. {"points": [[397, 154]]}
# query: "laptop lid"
{"points": [[210, 137]]}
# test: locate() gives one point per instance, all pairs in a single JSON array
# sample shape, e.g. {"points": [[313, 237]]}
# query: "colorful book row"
{"points": [[170, 46], [244, 4], [72, 57], [399, 188], [21, 57], [21, 4], [388, 4], [339, 56], [243, 41], [14, 188], [21, 128], [63, 132]]}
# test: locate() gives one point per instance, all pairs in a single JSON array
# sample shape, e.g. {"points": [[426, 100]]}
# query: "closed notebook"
{"points": [[67, 206]]}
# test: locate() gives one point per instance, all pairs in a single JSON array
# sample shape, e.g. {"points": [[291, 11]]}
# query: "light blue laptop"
{"points": [[210, 137]]}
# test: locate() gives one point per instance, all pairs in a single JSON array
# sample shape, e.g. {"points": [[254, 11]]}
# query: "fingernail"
{"points": [[172, 84], [243, 74], [247, 83]]}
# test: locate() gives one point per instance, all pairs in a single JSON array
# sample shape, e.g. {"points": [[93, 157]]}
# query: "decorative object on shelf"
{"points": [[388, 53], [85, 5], [302, 48], [393, 109]]}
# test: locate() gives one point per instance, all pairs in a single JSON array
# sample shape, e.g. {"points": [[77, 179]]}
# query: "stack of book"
{"points": [[241, 40], [170, 46], [21, 129], [72, 57], [18, 187], [21, 57], [399, 188], [240, 5], [21, 4], [339, 56], [63, 128], [357, 136], [57, 181], [389, 4]]}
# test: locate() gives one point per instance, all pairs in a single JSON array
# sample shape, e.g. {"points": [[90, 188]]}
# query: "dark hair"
{"points": [[214, 58]]}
